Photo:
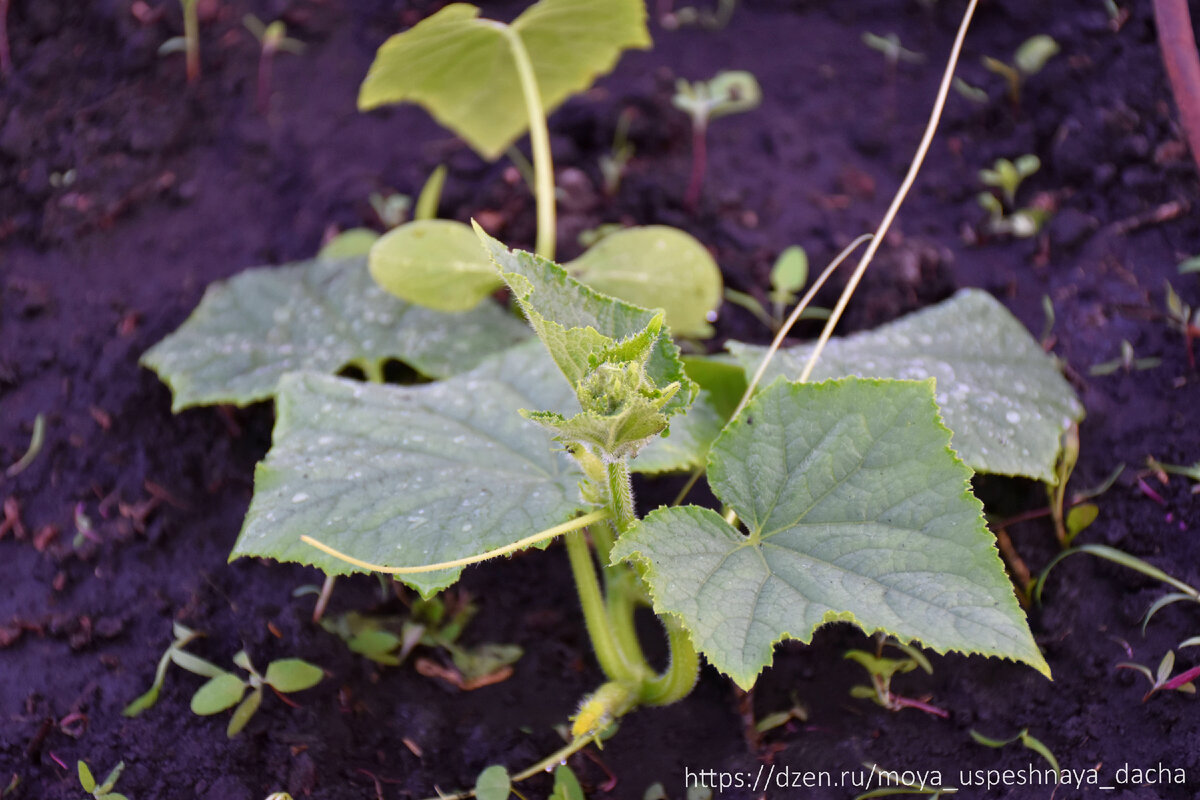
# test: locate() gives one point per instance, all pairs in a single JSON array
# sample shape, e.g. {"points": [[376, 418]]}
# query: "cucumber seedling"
{"points": [[703, 101], [272, 39]]}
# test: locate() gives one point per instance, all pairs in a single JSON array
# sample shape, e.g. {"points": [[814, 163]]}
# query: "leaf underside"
{"points": [[1001, 395], [408, 476], [460, 67], [318, 316], [577, 323], [857, 510]]}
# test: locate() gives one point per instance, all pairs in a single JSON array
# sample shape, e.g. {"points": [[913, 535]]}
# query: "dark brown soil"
{"points": [[175, 186]]}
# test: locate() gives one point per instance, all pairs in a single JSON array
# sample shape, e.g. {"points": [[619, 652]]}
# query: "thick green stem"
{"points": [[539, 143], [595, 615], [623, 595], [676, 682]]}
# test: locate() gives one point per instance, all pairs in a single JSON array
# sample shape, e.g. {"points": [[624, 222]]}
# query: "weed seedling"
{"points": [[1029, 59], [1027, 741], [883, 669], [392, 208], [183, 635], [1127, 362], [776, 719], [694, 15], [1004, 217], [36, 440], [224, 689], [1007, 176], [892, 51], [614, 162], [1189, 265], [703, 101], [272, 38], [788, 276], [433, 623], [101, 791], [1183, 318], [189, 43], [1163, 469], [1161, 680]]}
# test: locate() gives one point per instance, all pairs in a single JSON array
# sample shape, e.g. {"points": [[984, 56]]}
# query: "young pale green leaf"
{"points": [[409, 476], [656, 267], [244, 713], [999, 392], [493, 784], [789, 275], [566, 785], [460, 68], [435, 263], [374, 643], [110, 781], [485, 659], [86, 779], [857, 510], [583, 328], [1034, 52], [349, 244], [316, 315], [218, 694], [293, 675]]}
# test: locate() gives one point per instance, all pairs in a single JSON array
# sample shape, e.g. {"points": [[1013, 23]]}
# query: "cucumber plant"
{"points": [[846, 498]]}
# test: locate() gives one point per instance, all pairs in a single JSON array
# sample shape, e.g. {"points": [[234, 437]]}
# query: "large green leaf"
{"points": [[316, 315], [582, 327], [436, 263], [409, 476], [656, 267], [857, 510], [999, 392], [461, 69]]}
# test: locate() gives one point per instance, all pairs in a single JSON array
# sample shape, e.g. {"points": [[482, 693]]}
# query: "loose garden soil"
{"points": [[172, 187]]}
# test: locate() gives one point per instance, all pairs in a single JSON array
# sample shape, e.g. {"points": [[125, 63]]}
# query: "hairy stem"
{"points": [[539, 142], [620, 494], [595, 615]]}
